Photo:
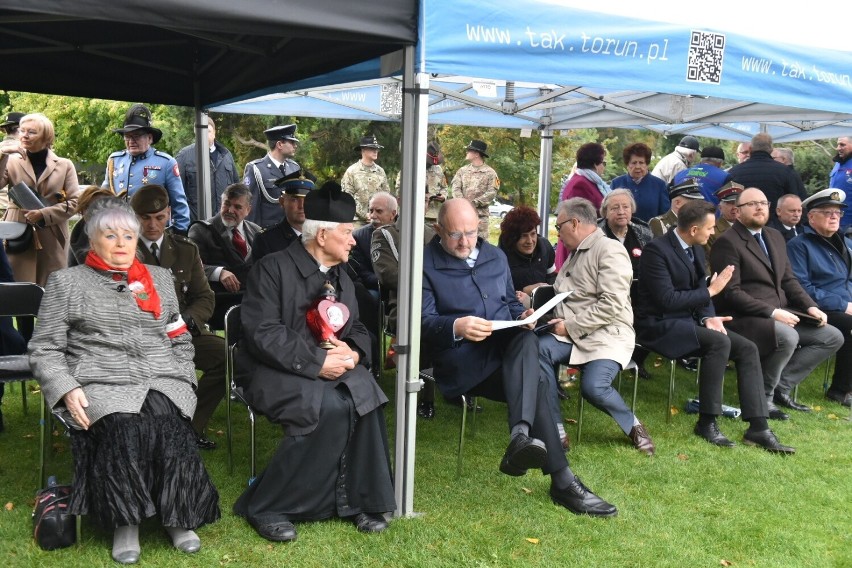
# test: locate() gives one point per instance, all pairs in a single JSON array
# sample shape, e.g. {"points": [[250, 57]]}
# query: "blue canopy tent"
{"points": [[556, 64]]}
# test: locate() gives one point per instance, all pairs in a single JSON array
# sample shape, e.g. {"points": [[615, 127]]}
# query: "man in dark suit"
{"points": [[225, 240], [788, 216], [761, 297], [295, 187], [466, 285], [761, 171], [180, 255], [675, 318]]}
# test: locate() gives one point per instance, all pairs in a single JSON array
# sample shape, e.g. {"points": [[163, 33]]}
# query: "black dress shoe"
{"points": [[579, 500], [644, 374], [711, 433], [426, 410], [839, 397], [690, 364], [767, 440], [561, 392], [522, 454], [370, 523], [204, 443], [777, 414], [283, 531], [782, 399]]}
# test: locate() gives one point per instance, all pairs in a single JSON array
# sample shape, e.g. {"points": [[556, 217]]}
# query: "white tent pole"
{"points": [[412, 211], [545, 166], [202, 159]]}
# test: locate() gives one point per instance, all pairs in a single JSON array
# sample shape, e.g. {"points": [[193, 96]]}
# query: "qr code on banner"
{"points": [[390, 99], [704, 61]]}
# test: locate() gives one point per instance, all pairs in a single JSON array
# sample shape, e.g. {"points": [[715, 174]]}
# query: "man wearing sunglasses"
{"points": [[822, 261], [768, 305]]}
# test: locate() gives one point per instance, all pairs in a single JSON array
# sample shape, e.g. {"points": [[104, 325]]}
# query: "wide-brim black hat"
{"points": [[330, 203], [12, 119], [138, 119], [478, 146], [369, 142], [299, 183]]}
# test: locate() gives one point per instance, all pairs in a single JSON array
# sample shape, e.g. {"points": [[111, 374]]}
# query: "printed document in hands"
{"points": [[533, 317]]}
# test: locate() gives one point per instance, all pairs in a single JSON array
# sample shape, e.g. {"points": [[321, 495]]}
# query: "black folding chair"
{"points": [[233, 333], [18, 299]]}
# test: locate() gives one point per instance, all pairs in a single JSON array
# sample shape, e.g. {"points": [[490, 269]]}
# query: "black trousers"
{"points": [[210, 358], [715, 351], [842, 380], [520, 384]]}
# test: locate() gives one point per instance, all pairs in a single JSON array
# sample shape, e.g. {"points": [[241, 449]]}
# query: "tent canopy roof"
{"points": [[178, 52]]}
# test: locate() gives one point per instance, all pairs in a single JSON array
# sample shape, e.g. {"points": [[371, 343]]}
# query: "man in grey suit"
{"points": [[762, 298], [224, 241]]}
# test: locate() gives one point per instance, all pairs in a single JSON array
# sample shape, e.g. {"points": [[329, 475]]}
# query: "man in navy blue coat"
{"points": [[675, 318], [466, 286]]}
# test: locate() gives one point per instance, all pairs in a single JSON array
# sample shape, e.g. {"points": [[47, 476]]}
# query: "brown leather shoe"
{"points": [[642, 440]]}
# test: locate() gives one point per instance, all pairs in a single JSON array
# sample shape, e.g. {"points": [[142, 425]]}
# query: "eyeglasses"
{"points": [[457, 235], [136, 136], [559, 225], [754, 204], [830, 213]]}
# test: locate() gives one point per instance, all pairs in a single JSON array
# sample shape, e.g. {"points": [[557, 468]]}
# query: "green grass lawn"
{"points": [[691, 505]]}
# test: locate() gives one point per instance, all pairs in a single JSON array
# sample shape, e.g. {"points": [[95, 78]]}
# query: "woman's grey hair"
{"points": [[311, 227], [579, 208], [615, 193], [110, 213]]}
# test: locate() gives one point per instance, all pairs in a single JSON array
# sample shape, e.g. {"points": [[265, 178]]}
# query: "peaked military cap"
{"points": [[138, 119], [730, 191], [298, 183], [687, 188], [330, 203], [285, 132], [830, 196]]}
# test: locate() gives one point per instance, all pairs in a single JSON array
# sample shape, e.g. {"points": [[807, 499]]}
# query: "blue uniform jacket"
{"points": [[125, 174], [821, 270], [451, 289], [260, 176], [651, 195], [841, 178]]}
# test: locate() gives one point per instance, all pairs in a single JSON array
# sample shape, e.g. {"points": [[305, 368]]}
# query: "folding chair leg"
{"points": [[24, 397], [635, 389], [472, 400], [581, 405], [825, 379], [253, 448], [228, 421], [43, 441], [671, 392], [461, 436]]}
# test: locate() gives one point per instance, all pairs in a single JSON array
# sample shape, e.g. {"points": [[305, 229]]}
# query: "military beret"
{"points": [[330, 203], [830, 196], [285, 132], [149, 199]]}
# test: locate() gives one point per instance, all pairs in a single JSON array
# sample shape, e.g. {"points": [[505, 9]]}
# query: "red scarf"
{"points": [[138, 281]]}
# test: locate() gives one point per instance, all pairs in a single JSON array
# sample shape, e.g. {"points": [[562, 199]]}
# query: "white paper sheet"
{"points": [[501, 324]]}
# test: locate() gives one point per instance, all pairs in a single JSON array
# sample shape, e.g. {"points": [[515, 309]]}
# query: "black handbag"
{"points": [[22, 243], [53, 526]]}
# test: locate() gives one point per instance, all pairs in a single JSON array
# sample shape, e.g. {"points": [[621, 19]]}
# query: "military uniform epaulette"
{"points": [[162, 154], [181, 239], [118, 153]]}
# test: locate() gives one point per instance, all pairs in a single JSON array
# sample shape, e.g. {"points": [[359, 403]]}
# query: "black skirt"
{"points": [[128, 467]]}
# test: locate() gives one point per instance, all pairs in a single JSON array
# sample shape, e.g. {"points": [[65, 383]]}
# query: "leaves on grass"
{"points": [[675, 411], [526, 490], [9, 506], [682, 457], [658, 362], [220, 432], [28, 436], [570, 421], [532, 540], [832, 416], [724, 562], [817, 408]]}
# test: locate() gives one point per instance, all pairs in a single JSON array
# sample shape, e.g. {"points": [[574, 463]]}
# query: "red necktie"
{"points": [[239, 243]]}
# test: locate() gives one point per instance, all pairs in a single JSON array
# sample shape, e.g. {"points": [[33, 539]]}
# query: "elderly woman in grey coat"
{"points": [[114, 359]]}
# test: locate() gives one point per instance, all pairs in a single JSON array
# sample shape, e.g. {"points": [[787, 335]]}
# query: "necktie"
{"points": [[155, 251], [688, 251], [759, 238], [239, 243]]}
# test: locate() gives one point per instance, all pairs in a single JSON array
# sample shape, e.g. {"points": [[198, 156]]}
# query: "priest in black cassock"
{"points": [[333, 460]]}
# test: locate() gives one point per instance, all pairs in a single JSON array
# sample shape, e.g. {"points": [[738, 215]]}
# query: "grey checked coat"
{"points": [[92, 334]]}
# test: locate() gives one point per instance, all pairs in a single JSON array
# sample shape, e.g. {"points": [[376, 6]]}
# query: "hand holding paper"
{"points": [[533, 317]]}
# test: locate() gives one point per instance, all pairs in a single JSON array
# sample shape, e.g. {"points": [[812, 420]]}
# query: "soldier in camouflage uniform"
{"points": [[436, 182], [477, 182], [364, 178]]}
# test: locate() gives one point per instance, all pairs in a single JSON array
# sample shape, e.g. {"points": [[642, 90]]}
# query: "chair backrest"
{"points": [[20, 298], [233, 326], [540, 297]]}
